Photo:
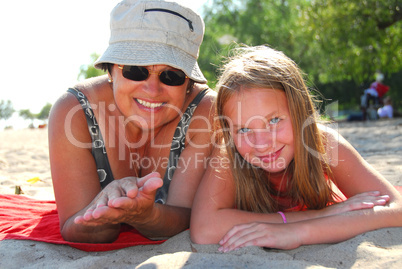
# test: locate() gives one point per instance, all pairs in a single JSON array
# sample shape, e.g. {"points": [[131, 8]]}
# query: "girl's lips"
{"points": [[271, 157]]}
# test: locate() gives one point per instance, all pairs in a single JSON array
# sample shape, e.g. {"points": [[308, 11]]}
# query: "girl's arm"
{"points": [[353, 176], [214, 214], [351, 173]]}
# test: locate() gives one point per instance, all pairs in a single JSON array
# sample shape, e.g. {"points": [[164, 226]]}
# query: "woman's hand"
{"points": [[280, 236], [127, 200], [365, 200]]}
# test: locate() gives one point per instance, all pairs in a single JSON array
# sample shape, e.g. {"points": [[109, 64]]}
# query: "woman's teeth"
{"points": [[148, 104]]}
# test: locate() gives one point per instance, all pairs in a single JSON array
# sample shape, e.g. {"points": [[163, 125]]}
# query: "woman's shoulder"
{"points": [[210, 94], [92, 88], [206, 105], [67, 105], [203, 118]]}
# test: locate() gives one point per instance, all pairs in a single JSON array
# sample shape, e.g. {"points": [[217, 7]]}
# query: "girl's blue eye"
{"points": [[274, 120], [243, 130]]}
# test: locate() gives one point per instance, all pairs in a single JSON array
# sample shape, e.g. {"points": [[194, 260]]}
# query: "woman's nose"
{"points": [[153, 84]]}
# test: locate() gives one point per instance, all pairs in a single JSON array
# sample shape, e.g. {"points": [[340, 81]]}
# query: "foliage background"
{"points": [[340, 44]]}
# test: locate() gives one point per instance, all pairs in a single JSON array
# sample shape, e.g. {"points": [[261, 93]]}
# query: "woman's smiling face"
{"points": [[148, 103], [261, 127]]}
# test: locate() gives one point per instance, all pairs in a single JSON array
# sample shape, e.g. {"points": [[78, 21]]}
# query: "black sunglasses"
{"points": [[140, 73]]}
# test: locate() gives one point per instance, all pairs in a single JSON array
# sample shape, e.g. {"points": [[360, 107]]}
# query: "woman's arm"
{"points": [[75, 180], [174, 217], [157, 220], [165, 220], [87, 213]]}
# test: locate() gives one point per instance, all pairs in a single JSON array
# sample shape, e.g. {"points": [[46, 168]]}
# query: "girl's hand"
{"points": [[286, 236], [365, 200], [126, 200], [280, 236]]}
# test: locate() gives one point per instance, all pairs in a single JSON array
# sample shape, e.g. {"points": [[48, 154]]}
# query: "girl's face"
{"points": [[148, 103], [261, 127]]}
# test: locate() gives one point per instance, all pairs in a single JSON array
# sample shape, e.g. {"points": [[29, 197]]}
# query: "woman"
{"points": [[126, 147], [288, 174]]}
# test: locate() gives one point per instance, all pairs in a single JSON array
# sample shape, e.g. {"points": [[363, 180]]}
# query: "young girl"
{"points": [[279, 177]]}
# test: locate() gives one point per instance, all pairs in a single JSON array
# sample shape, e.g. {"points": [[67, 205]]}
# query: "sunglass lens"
{"points": [[140, 73], [173, 78], [136, 73]]}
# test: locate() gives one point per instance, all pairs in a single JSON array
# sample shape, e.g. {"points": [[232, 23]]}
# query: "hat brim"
{"points": [[151, 53]]}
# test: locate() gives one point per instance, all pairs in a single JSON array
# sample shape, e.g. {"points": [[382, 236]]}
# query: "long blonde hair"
{"points": [[307, 186]]}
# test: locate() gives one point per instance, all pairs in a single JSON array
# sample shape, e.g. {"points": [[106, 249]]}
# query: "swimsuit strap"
{"points": [[98, 145], [178, 144], [99, 151]]}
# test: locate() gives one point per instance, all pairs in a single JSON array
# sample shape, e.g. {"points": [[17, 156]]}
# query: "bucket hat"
{"points": [[155, 32]]}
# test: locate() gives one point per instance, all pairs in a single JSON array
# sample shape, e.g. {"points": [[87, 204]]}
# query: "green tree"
{"points": [[354, 39], [44, 113], [332, 40], [336, 42], [26, 114], [88, 70], [252, 22], [6, 109]]}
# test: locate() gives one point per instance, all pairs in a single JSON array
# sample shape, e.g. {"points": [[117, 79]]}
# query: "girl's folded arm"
{"points": [[354, 176], [214, 213]]}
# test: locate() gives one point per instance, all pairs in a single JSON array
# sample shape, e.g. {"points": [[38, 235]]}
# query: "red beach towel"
{"points": [[26, 218], [30, 219]]}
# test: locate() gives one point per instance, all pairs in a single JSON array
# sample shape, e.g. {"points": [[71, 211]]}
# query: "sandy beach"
{"points": [[24, 155]]}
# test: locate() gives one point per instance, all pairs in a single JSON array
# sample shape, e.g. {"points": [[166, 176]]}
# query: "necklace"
{"points": [[134, 149], [137, 159]]}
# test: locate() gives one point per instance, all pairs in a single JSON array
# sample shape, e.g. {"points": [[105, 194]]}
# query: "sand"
{"points": [[24, 155]]}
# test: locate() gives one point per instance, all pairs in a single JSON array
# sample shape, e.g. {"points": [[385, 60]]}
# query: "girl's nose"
{"points": [[264, 140]]}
